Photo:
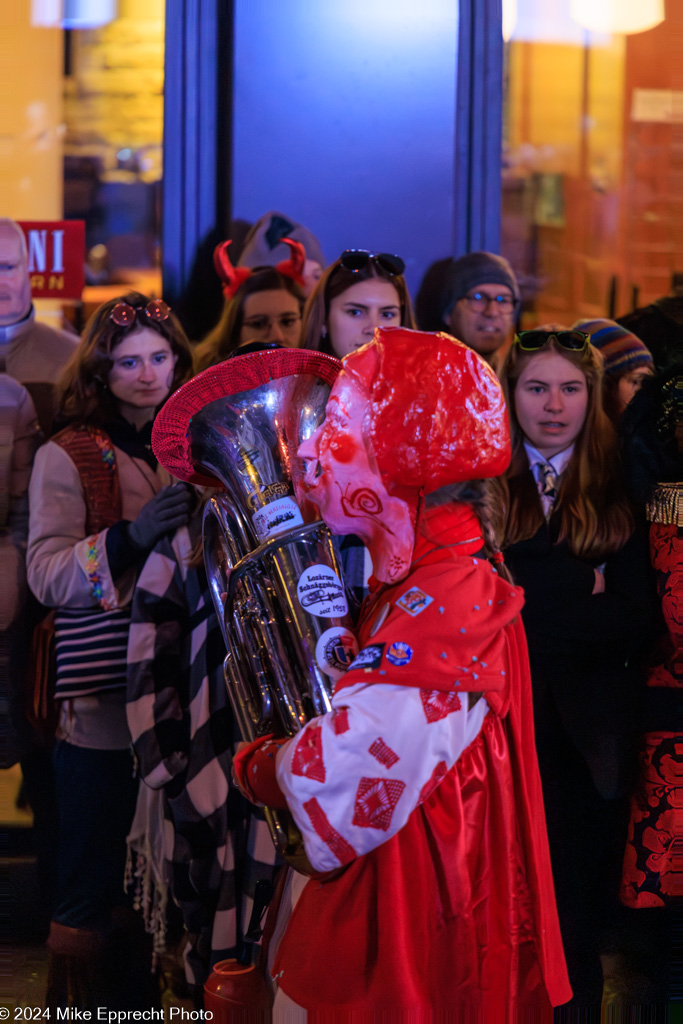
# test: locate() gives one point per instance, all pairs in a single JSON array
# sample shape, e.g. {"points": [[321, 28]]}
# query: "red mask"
{"points": [[409, 413], [342, 478], [438, 412]]}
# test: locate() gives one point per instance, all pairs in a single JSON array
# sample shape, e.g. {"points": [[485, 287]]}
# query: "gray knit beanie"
{"points": [[263, 246], [473, 269]]}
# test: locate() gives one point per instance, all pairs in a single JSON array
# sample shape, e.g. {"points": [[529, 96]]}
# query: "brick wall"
{"points": [[114, 94]]}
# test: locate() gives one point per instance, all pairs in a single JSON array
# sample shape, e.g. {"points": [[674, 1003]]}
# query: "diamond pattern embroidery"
{"points": [[437, 705], [383, 752], [342, 850], [307, 759], [375, 802]]}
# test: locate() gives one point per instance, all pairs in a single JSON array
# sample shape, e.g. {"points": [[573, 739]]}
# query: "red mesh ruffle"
{"points": [[243, 373]]}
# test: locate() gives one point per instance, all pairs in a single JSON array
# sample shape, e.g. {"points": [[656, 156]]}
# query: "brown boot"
{"points": [[75, 973]]}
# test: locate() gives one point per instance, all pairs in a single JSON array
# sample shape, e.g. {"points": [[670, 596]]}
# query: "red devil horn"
{"points": [[231, 277], [294, 266]]}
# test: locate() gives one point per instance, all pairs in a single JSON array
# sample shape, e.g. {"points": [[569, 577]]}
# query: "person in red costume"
{"points": [[652, 879], [419, 793]]}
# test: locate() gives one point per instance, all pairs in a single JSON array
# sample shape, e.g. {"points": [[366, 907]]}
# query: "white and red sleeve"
{"points": [[353, 777]]}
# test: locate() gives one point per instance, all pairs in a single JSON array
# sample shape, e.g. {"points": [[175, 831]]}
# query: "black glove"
{"points": [[170, 508]]}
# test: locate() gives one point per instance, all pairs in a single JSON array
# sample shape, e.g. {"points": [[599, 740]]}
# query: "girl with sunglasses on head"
{"points": [[262, 306], [571, 543], [357, 293], [98, 503]]}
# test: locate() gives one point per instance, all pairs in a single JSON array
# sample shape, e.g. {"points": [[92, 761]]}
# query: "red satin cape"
{"points": [[457, 911]]}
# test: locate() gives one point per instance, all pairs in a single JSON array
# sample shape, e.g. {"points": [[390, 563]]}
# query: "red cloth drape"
{"points": [[456, 912]]}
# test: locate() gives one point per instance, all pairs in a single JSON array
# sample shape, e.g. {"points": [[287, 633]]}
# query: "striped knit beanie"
{"points": [[621, 350]]}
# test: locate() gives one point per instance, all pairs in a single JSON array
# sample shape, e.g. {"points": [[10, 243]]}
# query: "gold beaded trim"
{"points": [[666, 505]]}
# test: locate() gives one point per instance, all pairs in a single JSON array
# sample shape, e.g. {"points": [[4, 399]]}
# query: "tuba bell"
{"points": [[273, 571]]}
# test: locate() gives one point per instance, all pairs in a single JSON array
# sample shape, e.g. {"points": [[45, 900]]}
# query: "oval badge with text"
{"points": [[320, 592]]}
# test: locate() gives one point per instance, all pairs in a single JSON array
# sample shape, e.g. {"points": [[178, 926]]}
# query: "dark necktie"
{"points": [[548, 482]]}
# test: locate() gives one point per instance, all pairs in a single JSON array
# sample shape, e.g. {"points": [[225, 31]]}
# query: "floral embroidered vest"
{"points": [[92, 452]]}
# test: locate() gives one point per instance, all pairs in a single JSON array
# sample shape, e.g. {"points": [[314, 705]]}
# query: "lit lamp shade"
{"points": [[509, 18], [72, 13], [617, 16]]}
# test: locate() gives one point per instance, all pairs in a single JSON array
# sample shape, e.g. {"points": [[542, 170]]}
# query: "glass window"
{"points": [[82, 105], [590, 218], [358, 142], [81, 114]]}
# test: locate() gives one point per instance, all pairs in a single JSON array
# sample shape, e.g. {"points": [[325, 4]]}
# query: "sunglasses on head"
{"points": [[532, 341], [356, 259], [125, 315]]}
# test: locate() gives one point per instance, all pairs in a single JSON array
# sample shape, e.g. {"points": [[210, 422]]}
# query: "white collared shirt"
{"points": [[558, 464]]}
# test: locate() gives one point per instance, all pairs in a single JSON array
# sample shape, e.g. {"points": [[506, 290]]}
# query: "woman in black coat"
{"points": [[571, 542]]}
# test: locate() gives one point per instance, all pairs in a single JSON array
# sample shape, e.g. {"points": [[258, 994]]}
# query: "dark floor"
{"points": [[23, 963], [27, 976]]}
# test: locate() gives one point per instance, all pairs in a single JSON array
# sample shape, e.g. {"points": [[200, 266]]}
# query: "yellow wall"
{"points": [[545, 102], [31, 116], [565, 131], [115, 100], [606, 112]]}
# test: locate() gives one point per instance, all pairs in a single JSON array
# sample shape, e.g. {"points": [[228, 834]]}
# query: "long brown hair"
{"points": [[82, 387], [595, 518], [335, 281], [225, 336], [484, 497]]}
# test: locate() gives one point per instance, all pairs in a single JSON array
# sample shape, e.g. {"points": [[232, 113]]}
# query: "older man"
{"points": [[31, 352], [475, 298], [33, 355]]}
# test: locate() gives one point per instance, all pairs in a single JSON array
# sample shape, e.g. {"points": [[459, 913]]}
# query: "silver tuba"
{"points": [[274, 575]]}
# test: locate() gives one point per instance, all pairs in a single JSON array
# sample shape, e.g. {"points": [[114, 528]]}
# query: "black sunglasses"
{"points": [[356, 259], [532, 341]]}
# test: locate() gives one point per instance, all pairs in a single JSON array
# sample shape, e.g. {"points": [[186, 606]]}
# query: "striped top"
{"points": [[91, 647]]}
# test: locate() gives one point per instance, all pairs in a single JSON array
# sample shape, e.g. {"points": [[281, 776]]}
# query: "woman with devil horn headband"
{"points": [[418, 797], [261, 305]]}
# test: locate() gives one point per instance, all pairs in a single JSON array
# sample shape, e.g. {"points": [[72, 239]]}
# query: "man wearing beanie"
{"points": [[626, 361], [478, 300]]}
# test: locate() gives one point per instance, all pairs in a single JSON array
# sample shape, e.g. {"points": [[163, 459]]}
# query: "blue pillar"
{"points": [[197, 132], [478, 126]]}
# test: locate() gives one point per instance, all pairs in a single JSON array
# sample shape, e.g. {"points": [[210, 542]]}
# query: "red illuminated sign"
{"points": [[56, 257]]}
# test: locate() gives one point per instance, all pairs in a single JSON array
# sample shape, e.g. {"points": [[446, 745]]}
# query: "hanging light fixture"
{"points": [[72, 13], [617, 16], [509, 19]]}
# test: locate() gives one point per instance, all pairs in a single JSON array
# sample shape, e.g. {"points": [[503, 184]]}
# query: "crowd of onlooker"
{"points": [[118, 709]]}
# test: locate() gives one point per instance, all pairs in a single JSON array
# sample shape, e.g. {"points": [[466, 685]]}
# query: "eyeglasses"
{"points": [[262, 324], [356, 259], [125, 315], [479, 302], [532, 341]]}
